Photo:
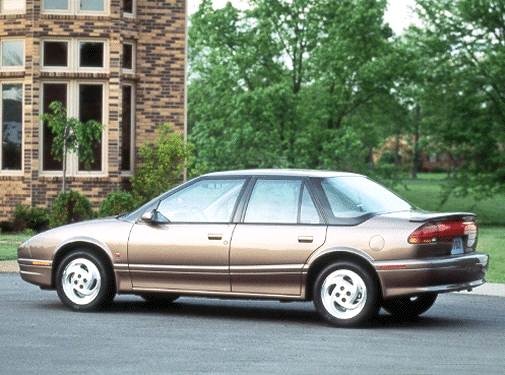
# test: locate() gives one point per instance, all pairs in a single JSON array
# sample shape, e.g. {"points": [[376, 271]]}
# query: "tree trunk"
{"points": [[415, 148]]}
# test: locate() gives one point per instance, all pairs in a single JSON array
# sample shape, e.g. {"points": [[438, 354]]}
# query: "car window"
{"points": [[357, 196], [274, 201], [308, 211], [205, 201]]}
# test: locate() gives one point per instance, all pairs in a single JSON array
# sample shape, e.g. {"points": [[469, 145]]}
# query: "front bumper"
{"points": [[38, 272], [410, 277]]}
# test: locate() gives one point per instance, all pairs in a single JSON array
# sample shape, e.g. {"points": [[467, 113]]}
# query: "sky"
{"points": [[399, 14]]}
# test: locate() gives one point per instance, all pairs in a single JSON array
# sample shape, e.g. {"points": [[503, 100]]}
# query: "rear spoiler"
{"points": [[431, 216]]}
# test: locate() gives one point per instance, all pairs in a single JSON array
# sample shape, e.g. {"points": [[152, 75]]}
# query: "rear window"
{"points": [[356, 196]]}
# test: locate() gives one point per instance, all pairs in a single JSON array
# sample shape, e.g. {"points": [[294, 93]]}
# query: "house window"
{"points": [[12, 6], [55, 54], [92, 5], [127, 128], [75, 6], [12, 125], [128, 56], [91, 108], [51, 92], [12, 53], [128, 7], [84, 101], [91, 54], [60, 5]]}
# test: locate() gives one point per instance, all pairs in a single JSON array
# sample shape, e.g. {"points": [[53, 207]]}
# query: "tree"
{"points": [[162, 164], [289, 84], [71, 135]]}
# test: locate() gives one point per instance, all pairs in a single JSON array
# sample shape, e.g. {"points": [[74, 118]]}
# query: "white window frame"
{"points": [[74, 8], [77, 61], [132, 130], [16, 68], [134, 9], [73, 111], [21, 10], [134, 57], [13, 172], [56, 68]]}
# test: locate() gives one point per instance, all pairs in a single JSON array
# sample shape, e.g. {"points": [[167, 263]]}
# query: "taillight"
{"points": [[444, 230]]}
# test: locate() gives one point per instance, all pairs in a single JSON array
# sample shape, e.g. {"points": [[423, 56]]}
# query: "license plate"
{"points": [[457, 246]]}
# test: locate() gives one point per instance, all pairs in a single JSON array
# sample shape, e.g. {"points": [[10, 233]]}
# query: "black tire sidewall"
{"points": [[106, 293], [372, 303], [403, 308]]}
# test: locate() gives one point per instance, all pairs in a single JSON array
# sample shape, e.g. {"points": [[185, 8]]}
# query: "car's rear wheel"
{"points": [[346, 294], [159, 299], [411, 306], [83, 282]]}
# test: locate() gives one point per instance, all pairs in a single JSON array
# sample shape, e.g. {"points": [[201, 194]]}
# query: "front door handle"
{"points": [[215, 236], [305, 239]]}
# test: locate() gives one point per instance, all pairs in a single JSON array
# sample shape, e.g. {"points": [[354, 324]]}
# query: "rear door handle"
{"points": [[305, 239], [215, 236]]}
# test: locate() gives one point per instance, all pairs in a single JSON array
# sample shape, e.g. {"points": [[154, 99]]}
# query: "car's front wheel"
{"points": [[346, 294], [411, 306], [82, 281]]}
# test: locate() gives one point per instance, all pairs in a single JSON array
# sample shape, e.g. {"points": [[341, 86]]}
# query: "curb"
{"points": [[488, 289]]}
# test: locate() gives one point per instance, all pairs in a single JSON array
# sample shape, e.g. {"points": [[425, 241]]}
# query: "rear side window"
{"points": [[308, 211], [274, 201]]}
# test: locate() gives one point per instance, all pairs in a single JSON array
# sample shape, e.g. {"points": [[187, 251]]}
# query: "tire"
{"points": [[159, 299], [83, 281], [346, 295], [411, 306]]}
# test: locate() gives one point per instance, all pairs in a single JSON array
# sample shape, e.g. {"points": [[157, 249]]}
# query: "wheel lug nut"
{"points": [[343, 299], [341, 288], [348, 293], [338, 294]]}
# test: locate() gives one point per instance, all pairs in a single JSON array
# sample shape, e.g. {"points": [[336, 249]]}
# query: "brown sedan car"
{"points": [[338, 239]]}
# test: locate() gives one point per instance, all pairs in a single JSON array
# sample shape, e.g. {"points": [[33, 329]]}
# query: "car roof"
{"points": [[281, 172]]}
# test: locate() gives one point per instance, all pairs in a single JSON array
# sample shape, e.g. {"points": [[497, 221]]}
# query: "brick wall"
{"points": [[158, 31]]}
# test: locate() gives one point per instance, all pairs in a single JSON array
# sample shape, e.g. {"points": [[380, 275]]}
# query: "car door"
{"points": [[280, 228], [191, 251]]}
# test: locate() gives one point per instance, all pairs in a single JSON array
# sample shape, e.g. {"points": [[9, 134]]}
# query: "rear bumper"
{"points": [[38, 272], [409, 277]]}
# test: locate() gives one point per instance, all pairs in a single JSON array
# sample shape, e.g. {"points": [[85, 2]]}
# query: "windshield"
{"points": [[353, 196]]}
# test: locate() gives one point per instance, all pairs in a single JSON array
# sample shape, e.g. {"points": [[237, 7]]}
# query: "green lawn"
{"points": [[491, 241], [424, 192], [9, 244]]}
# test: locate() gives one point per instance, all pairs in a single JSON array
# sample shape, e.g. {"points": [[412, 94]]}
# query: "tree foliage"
{"points": [[326, 84], [162, 164]]}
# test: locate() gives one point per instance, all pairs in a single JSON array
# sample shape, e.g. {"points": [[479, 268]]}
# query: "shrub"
{"points": [[162, 164], [117, 202], [33, 218], [70, 207]]}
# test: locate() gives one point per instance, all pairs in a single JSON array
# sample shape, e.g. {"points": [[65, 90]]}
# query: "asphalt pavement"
{"points": [[461, 334]]}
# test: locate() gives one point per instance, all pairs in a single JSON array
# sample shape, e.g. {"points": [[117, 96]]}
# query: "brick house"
{"points": [[121, 62]]}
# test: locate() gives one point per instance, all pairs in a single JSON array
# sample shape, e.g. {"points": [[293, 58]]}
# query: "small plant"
{"points": [[162, 164], [117, 202], [71, 135], [69, 207], [30, 218]]}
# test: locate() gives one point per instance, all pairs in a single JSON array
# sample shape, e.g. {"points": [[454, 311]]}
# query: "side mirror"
{"points": [[154, 217]]}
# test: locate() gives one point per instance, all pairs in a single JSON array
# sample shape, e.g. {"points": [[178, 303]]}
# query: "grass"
{"points": [[9, 244], [424, 192], [491, 241]]}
